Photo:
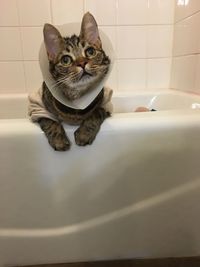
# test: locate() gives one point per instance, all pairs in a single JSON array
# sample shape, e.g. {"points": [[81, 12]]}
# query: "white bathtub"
{"points": [[134, 193]]}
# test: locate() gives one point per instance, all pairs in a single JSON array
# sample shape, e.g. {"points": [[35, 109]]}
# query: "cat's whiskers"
{"points": [[57, 84], [59, 81]]}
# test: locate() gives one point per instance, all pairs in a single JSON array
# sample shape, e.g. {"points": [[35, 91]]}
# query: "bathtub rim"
{"points": [[23, 97], [156, 91]]}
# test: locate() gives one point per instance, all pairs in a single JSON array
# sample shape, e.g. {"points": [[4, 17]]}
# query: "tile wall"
{"points": [[141, 32], [185, 73]]}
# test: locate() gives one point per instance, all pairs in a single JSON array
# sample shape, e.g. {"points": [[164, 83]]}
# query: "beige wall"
{"points": [[141, 32], [186, 50]]}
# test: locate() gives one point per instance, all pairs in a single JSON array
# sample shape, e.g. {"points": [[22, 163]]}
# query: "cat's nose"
{"points": [[81, 63]]}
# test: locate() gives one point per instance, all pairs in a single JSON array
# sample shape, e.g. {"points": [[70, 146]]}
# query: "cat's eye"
{"points": [[90, 52], [66, 60]]}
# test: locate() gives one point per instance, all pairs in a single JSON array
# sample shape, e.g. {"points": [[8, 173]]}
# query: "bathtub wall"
{"points": [[186, 49], [141, 32]]}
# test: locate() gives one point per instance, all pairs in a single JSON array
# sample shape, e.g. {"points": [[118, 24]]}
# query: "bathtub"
{"points": [[135, 192]]}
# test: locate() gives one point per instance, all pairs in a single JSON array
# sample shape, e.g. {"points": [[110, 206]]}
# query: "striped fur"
{"points": [[76, 63]]}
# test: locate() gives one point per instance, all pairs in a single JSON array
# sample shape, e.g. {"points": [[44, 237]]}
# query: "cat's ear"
{"points": [[89, 30], [53, 41]]}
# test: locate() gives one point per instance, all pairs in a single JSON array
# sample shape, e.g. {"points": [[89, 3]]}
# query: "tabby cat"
{"points": [[76, 63]]}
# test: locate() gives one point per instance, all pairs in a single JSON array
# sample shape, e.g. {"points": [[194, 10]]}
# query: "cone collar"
{"points": [[82, 102]]}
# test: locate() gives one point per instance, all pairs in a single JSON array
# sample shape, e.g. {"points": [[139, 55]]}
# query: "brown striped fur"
{"points": [[89, 119], [76, 63]]}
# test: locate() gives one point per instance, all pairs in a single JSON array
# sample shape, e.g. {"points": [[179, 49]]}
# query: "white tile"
{"points": [[8, 13], [10, 44], [34, 12], [32, 38], [131, 74], [104, 11], [131, 42], [12, 77], [66, 11], [179, 10], [132, 12], [180, 34], [110, 31], [159, 41], [192, 7], [185, 8], [187, 36], [158, 73], [173, 78], [183, 73], [197, 76], [160, 12], [33, 75], [112, 81]]}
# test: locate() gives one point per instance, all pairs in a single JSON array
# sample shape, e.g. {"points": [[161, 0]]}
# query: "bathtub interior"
{"points": [[14, 106]]}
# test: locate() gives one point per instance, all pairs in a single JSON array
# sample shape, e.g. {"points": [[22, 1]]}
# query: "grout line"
{"points": [[146, 73], [170, 73], [172, 49], [22, 26], [21, 43], [186, 55], [143, 58], [19, 60], [51, 11], [84, 7], [105, 25], [117, 59], [187, 17], [117, 75], [142, 25], [18, 15], [116, 44], [146, 52], [117, 66], [116, 11]]}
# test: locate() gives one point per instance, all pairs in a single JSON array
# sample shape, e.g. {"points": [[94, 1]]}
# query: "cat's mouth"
{"points": [[85, 75]]}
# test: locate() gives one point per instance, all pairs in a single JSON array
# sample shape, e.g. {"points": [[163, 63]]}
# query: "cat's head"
{"points": [[77, 63]]}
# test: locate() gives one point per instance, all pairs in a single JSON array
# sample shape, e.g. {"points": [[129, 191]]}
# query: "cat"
{"points": [[76, 63]]}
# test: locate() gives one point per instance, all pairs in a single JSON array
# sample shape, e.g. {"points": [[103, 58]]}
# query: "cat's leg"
{"points": [[89, 128], [55, 134]]}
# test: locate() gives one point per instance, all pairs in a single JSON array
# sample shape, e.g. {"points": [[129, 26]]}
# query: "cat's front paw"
{"points": [[83, 137], [60, 143]]}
